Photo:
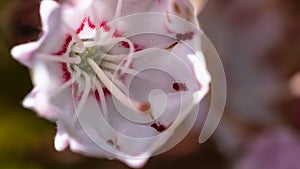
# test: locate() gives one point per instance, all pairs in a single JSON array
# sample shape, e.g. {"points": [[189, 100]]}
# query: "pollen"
{"points": [[144, 107]]}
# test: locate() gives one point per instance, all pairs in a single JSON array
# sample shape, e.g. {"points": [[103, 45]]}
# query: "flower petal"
{"points": [[38, 102], [23, 52], [46, 8]]}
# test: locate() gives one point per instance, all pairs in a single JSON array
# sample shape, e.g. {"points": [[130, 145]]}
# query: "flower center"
{"points": [[94, 53]]}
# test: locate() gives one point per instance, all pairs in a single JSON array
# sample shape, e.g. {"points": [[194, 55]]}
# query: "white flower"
{"points": [[118, 77]]}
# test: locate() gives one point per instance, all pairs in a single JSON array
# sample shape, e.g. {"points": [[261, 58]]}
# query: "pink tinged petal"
{"points": [[104, 135], [61, 141], [38, 102], [137, 162], [23, 53]]}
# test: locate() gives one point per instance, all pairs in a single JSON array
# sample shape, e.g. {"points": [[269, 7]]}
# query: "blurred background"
{"points": [[259, 44]]}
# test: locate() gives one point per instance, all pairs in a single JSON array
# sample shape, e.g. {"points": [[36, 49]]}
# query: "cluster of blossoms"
{"points": [[118, 77]]}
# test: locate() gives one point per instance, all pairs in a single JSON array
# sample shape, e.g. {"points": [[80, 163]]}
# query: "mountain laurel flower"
{"points": [[119, 77]]}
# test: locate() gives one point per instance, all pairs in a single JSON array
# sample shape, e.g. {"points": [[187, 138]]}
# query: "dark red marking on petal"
{"points": [[80, 28], [110, 142], [117, 33], [125, 44], [180, 87], [159, 127], [91, 24], [154, 125], [66, 74], [106, 91], [97, 96], [104, 25], [65, 45], [136, 46]]}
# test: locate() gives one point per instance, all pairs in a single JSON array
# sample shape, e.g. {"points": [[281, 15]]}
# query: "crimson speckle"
{"points": [[91, 24], [80, 28], [97, 96], [66, 73], [65, 45], [104, 26], [106, 91], [117, 33], [136, 46], [110, 142], [125, 44], [179, 87], [159, 127]]}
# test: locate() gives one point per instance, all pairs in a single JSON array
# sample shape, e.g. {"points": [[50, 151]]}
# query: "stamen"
{"points": [[67, 83], [102, 99], [116, 91], [52, 58], [104, 42], [117, 82], [112, 66], [75, 36], [131, 49], [86, 92], [113, 58], [129, 57]]}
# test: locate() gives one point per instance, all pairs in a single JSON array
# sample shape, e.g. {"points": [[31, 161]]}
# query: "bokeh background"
{"points": [[259, 44]]}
